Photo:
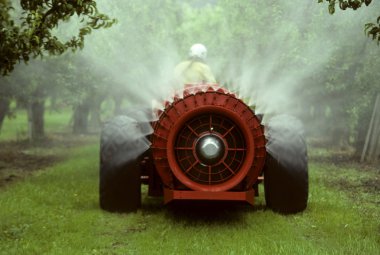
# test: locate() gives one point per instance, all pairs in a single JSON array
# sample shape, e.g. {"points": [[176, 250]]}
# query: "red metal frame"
{"points": [[246, 196], [198, 100]]}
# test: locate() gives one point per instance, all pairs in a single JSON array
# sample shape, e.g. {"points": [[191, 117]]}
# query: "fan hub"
{"points": [[210, 149]]}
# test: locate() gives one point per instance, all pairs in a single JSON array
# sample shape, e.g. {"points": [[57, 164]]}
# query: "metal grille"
{"points": [[234, 149]]}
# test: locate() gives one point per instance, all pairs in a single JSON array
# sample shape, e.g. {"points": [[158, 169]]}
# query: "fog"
{"points": [[141, 63], [269, 55], [142, 49]]}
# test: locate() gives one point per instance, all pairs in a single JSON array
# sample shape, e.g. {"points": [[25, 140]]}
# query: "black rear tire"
{"points": [[286, 181], [120, 184]]}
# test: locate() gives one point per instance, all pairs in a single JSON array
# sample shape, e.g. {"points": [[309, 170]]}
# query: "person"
{"points": [[194, 70]]}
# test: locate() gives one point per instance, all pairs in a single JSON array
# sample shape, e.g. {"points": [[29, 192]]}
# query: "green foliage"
{"points": [[344, 4], [371, 29], [34, 35]]}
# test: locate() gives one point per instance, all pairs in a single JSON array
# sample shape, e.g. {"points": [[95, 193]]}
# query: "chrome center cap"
{"points": [[210, 149]]}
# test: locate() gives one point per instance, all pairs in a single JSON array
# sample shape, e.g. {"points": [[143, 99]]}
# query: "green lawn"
{"points": [[56, 212]]}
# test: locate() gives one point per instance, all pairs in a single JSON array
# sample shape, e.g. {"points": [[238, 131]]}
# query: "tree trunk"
{"points": [[96, 103], [340, 130], [362, 128], [371, 150], [314, 120], [4, 109], [118, 99], [95, 118], [81, 113], [95, 121], [36, 124]]}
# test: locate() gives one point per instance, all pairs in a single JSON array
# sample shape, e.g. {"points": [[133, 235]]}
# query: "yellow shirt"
{"points": [[191, 71]]}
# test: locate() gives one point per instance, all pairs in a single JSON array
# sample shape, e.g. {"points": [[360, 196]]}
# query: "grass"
{"points": [[56, 212]]}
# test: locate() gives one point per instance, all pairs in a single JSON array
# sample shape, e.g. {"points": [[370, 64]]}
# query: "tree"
{"points": [[30, 30], [33, 34], [372, 29], [282, 59], [4, 98], [30, 86]]}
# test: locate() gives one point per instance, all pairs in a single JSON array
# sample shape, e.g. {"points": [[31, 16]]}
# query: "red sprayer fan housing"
{"points": [[208, 144]]}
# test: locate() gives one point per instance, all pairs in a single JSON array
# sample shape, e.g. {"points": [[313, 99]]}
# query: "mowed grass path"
{"points": [[56, 212]]}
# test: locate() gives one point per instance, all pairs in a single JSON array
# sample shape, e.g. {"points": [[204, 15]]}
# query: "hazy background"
{"points": [[283, 57]]}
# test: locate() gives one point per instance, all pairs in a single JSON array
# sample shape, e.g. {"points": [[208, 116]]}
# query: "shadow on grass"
{"points": [[201, 212]]}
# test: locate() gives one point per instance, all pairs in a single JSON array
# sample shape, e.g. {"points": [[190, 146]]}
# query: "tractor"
{"points": [[206, 144]]}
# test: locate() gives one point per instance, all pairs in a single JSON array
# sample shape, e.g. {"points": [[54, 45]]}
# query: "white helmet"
{"points": [[198, 50]]}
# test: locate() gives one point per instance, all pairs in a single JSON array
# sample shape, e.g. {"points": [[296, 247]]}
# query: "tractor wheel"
{"points": [[286, 168], [120, 147]]}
